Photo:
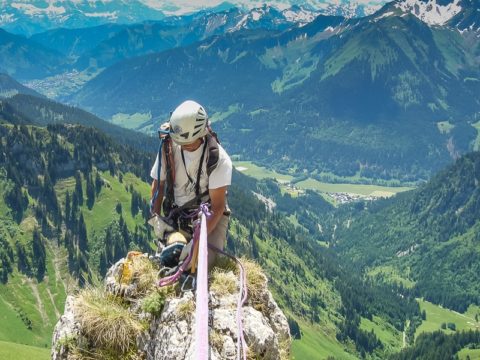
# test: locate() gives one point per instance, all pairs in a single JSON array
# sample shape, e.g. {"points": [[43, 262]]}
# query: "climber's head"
{"points": [[188, 123]]}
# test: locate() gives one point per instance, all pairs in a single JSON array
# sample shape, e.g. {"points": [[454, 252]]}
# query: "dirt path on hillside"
{"points": [[56, 266], [40, 306], [57, 313]]}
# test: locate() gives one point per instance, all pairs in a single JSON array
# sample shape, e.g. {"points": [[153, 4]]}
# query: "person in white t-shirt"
{"points": [[195, 168]]}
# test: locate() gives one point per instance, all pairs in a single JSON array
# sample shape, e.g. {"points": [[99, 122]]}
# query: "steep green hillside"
{"points": [[430, 236], [48, 243], [17, 351]]}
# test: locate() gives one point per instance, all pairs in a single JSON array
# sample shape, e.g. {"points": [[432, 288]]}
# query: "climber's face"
{"points": [[192, 146]]}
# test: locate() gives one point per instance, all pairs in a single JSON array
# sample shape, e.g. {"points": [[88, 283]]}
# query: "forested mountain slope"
{"points": [[431, 236], [41, 111]]}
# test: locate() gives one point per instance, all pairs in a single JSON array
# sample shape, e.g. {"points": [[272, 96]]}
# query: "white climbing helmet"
{"points": [[188, 122]]}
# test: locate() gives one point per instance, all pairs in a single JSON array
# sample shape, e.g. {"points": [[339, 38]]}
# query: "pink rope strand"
{"points": [[201, 314]]}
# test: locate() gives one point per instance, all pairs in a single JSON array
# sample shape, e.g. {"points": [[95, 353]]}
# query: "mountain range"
{"points": [[27, 18], [106, 45], [344, 88]]}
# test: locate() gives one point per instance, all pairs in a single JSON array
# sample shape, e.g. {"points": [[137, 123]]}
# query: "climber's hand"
{"points": [[160, 227]]}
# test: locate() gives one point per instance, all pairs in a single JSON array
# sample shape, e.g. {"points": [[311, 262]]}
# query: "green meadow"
{"points": [[360, 189], [391, 338], [437, 315], [133, 121], [259, 172], [473, 354], [318, 343], [13, 351]]}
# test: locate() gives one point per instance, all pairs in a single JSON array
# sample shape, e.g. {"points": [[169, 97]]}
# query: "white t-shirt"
{"points": [[184, 189]]}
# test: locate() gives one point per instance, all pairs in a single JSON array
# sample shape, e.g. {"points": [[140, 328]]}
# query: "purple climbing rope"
{"points": [[201, 313]]}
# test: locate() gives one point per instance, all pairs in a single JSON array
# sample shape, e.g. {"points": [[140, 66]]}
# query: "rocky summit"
{"points": [[146, 322]]}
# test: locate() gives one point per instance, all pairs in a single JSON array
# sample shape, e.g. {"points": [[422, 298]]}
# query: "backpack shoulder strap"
{"points": [[213, 153], [170, 176]]}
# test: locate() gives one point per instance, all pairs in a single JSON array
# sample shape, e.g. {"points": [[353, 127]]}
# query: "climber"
{"points": [[194, 168]]}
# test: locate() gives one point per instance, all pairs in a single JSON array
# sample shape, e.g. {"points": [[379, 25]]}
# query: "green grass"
{"points": [[113, 192], [42, 303], [317, 344], [474, 354], [258, 172], [372, 190], [391, 275], [436, 315], [131, 121], [295, 73], [472, 311], [391, 338], [220, 116], [13, 351]]}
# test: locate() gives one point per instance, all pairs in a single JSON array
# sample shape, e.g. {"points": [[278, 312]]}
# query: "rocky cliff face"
{"points": [[131, 319]]}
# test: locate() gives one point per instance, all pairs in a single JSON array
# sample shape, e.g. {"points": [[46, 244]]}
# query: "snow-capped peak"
{"points": [[430, 12], [299, 15]]}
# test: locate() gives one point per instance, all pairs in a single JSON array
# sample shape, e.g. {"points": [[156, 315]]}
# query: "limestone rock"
{"points": [[170, 334]]}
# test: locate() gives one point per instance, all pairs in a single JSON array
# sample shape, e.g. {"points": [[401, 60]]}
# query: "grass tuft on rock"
{"points": [[153, 303], [222, 282], [106, 321], [256, 281], [216, 340], [186, 308], [145, 274], [225, 263]]}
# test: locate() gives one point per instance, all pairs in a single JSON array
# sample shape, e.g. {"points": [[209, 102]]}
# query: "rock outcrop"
{"points": [[167, 318]]}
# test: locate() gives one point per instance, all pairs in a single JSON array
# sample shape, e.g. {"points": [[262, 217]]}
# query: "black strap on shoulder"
{"points": [[169, 183], [213, 153]]}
